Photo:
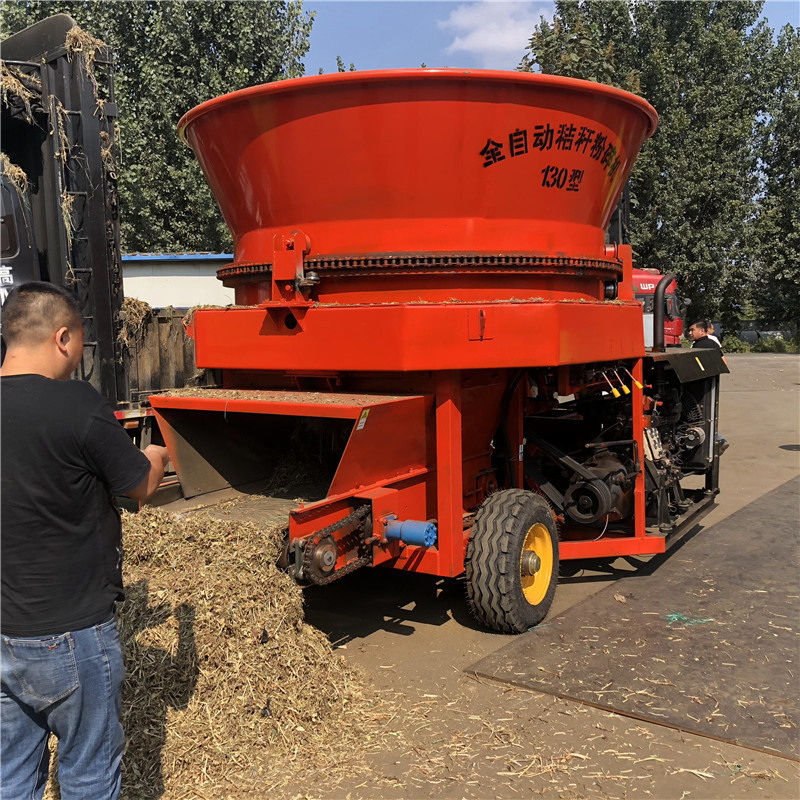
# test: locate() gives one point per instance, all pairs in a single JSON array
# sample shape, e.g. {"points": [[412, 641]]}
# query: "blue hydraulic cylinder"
{"points": [[412, 532]]}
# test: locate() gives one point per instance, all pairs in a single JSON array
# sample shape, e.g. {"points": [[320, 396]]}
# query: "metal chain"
{"points": [[355, 518], [340, 573], [417, 263]]}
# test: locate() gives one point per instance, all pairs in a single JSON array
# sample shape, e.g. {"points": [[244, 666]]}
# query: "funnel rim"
{"points": [[384, 75]]}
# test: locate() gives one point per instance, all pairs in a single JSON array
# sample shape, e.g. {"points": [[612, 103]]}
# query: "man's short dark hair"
{"points": [[35, 310], [702, 324]]}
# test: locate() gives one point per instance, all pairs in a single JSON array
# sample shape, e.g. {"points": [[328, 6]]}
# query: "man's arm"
{"points": [[159, 458]]}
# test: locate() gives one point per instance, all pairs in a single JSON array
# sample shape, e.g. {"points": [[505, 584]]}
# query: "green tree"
{"points": [[703, 65], [340, 67], [777, 226], [580, 46], [172, 55]]}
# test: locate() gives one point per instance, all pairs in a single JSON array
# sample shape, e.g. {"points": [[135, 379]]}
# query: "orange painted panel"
{"points": [[422, 161], [406, 337]]}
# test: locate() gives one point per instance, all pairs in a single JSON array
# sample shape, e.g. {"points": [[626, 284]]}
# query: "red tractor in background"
{"points": [[429, 316], [645, 282]]}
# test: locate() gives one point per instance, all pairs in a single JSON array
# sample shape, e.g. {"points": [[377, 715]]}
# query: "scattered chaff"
{"points": [[67, 206], [107, 155], [535, 766], [83, 45], [15, 174], [699, 773], [188, 317], [59, 119], [133, 315], [19, 89]]}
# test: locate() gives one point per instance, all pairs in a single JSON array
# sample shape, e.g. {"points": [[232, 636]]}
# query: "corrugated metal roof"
{"points": [[177, 256]]}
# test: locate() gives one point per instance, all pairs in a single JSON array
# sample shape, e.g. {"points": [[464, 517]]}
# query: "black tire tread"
{"points": [[494, 596]]}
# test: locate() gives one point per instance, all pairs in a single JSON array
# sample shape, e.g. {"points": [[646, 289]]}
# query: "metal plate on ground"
{"points": [[707, 643]]}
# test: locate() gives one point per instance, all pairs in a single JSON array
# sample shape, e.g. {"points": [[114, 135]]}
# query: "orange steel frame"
{"points": [[430, 378], [423, 276]]}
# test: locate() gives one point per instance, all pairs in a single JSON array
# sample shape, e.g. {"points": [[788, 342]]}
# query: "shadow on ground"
{"points": [[397, 602]]}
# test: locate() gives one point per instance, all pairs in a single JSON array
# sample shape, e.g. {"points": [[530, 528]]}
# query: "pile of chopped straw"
{"points": [[228, 693]]}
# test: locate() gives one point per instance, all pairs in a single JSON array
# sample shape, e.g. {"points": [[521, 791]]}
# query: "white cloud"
{"points": [[495, 33]]}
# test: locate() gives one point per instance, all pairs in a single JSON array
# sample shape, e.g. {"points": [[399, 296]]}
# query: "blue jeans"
{"points": [[69, 685]]}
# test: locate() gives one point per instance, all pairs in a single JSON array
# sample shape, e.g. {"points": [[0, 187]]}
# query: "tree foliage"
{"points": [[340, 67], [579, 46], [777, 240], [172, 55], [705, 182]]}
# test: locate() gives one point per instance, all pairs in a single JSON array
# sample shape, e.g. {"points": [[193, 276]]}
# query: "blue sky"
{"points": [[489, 34]]}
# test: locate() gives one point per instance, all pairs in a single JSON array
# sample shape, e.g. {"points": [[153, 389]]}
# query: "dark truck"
{"points": [[61, 214]]}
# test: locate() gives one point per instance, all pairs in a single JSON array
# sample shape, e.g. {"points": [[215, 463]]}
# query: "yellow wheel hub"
{"points": [[536, 563]]}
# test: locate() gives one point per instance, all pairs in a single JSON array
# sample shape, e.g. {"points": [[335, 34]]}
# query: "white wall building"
{"points": [[180, 280]]}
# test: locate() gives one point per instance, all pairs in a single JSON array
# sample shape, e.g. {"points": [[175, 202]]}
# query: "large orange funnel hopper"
{"points": [[420, 162]]}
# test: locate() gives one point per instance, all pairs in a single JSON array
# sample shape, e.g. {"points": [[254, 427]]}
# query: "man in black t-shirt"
{"points": [[64, 458], [699, 334]]}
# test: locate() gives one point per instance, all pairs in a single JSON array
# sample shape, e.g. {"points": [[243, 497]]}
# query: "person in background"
{"points": [[64, 459], [711, 334], [699, 334]]}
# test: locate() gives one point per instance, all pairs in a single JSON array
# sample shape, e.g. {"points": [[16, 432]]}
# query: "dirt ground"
{"points": [[468, 738], [451, 735]]}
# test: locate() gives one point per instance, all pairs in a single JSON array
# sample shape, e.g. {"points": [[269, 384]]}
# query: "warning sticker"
{"points": [[362, 420]]}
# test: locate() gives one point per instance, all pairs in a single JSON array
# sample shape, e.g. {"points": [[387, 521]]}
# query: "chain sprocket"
{"points": [[356, 518]]}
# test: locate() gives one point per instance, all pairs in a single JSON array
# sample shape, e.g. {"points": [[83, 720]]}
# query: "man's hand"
{"points": [[159, 452], [159, 458]]}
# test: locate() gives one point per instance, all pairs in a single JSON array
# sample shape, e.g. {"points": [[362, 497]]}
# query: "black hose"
{"points": [[658, 312]]}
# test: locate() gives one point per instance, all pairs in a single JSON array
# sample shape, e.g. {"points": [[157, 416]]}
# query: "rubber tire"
{"points": [[494, 584]]}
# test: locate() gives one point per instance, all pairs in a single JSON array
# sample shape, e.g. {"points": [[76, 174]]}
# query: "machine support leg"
{"points": [[449, 488], [712, 475], [637, 398], [515, 433]]}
